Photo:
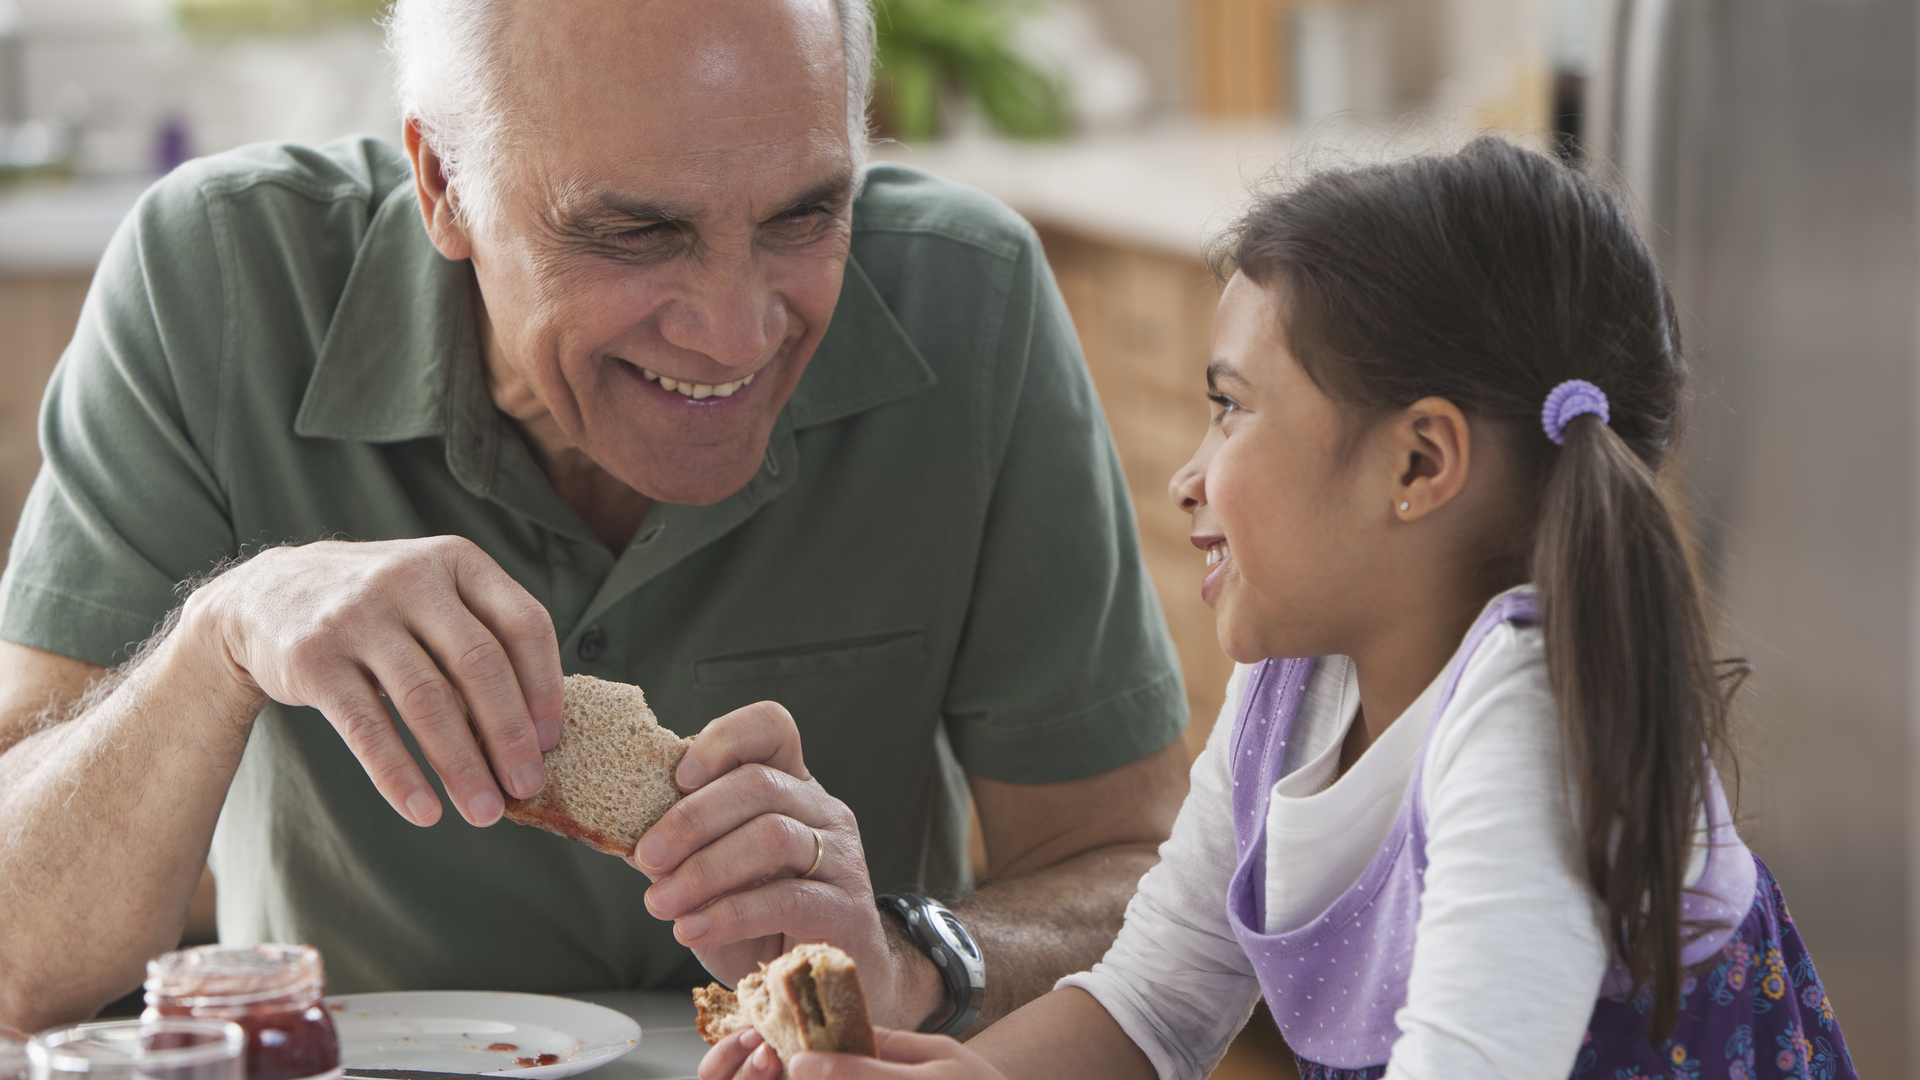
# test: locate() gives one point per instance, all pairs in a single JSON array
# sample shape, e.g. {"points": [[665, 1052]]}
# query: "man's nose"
{"points": [[726, 312]]}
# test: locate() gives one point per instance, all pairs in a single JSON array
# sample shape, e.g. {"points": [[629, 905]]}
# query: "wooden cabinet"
{"points": [[1239, 57], [37, 316]]}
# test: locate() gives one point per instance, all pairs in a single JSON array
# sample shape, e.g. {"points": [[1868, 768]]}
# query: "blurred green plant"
{"points": [[928, 46], [220, 17]]}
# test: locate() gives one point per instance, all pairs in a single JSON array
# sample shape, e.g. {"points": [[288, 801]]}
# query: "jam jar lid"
{"points": [[235, 975]]}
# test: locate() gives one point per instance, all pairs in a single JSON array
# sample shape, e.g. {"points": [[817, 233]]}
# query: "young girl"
{"points": [[1483, 835]]}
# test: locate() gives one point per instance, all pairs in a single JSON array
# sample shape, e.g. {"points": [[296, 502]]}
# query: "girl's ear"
{"points": [[1432, 449]]}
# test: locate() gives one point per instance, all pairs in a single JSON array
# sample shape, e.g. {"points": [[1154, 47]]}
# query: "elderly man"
{"points": [[629, 367]]}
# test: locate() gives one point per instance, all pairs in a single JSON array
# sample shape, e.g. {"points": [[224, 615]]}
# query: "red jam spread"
{"points": [[271, 991]]}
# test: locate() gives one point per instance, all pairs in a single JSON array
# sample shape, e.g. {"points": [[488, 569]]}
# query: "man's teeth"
{"points": [[1216, 554], [697, 390]]}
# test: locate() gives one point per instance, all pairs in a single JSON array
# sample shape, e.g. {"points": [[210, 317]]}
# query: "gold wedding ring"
{"points": [[819, 852]]}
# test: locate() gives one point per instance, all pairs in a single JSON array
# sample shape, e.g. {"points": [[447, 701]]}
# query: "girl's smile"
{"points": [[1218, 556]]}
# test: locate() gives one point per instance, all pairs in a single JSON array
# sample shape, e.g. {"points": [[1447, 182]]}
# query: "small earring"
{"points": [[1403, 507]]}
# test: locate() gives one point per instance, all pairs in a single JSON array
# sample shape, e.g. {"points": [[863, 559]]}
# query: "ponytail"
{"points": [[1628, 652]]}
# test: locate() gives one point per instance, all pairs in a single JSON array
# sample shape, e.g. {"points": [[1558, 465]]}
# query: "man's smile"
{"points": [[697, 391]]}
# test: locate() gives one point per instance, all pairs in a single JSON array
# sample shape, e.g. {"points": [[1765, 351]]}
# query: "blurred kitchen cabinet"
{"points": [[1239, 50], [1145, 319], [37, 316]]}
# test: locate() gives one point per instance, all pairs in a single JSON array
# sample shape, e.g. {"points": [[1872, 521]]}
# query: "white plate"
{"points": [[478, 1031]]}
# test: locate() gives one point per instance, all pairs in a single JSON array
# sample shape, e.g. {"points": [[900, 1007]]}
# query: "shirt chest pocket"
{"points": [[888, 648]]}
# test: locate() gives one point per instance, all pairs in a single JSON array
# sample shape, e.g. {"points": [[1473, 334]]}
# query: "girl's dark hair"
{"points": [[1488, 277]]}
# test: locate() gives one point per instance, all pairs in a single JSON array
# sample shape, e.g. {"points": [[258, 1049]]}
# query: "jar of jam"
{"points": [[272, 991]]}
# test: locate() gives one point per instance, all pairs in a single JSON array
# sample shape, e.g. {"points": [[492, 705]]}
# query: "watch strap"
{"points": [[938, 933]]}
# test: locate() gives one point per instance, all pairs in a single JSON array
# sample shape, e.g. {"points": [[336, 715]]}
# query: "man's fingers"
{"points": [[463, 653], [762, 733], [433, 711], [799, 908], [524, 629], [719, 808], [769, 846], [349, 703], [479, 668]]}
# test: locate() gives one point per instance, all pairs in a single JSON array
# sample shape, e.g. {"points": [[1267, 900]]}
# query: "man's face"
{"points": [[672, 230]]}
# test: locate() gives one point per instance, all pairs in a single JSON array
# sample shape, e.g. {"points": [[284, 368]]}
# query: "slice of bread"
{"points": [[717, 1011], [809, 998], [610, 777]]}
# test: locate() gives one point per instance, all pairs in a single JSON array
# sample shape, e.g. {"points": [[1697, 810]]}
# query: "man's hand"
{"points": [[1063, 859], [434, 626], [727, 864]]}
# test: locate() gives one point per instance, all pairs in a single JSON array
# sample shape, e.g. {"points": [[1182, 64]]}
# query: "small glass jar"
{"points": [[271, 991], [13, 1054]]}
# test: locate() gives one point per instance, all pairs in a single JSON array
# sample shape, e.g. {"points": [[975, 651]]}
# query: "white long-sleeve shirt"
{"points": [[1510, 954]]}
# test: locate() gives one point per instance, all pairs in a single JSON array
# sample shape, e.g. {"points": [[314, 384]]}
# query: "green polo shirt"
{"points": [[935, 568]]}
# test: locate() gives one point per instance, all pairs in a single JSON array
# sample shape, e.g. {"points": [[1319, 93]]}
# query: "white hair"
{"points": [[447, 75]]}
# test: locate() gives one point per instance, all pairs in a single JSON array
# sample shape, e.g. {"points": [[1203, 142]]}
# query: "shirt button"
{"points": [[593, 645]]}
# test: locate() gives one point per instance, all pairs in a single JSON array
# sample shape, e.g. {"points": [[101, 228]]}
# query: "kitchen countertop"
{"points": [[1167, 187], [62, 228]]}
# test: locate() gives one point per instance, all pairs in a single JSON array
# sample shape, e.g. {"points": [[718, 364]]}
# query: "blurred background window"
{"points": [[1768, 148]]}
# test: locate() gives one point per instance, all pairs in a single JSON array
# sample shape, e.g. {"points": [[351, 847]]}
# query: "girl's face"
{"points": [[1284, 509]]}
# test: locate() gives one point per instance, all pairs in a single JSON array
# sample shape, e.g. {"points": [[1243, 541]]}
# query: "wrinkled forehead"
{"points": [[669, 97]]}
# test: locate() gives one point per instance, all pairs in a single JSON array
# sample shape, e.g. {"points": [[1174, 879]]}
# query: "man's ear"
{"points": [[1432, 453], [437, 208]]}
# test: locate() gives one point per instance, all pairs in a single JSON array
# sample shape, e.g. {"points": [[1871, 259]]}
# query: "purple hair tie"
{"points": [[1575, 397]]}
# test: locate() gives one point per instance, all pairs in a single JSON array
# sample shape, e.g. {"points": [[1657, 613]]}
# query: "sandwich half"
{"points": [[808, 999], [610, 777]]}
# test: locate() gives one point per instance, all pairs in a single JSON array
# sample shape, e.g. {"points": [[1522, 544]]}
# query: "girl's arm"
{"points": [[1176, 980], [1064, 1034], [1509, 956]]}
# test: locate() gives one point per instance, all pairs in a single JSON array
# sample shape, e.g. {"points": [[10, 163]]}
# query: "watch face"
{"points": [[958, 934]]}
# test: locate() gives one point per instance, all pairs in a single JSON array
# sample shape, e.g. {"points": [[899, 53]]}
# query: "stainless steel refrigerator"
{"points": [[1771, 148]]}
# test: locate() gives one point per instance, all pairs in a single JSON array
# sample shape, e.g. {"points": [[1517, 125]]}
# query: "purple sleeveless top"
{"points": [[1334, 984]]}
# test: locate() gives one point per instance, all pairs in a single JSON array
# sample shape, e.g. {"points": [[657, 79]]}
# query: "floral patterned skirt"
{"points": [[1755, 1012]]}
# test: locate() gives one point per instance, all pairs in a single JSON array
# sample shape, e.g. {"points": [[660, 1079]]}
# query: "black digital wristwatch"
{"points": [[938, 933]]}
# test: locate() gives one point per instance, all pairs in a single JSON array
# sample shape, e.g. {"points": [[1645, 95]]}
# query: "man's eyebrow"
{"points": [[827, 192], [1220, 369], [612, 205]]}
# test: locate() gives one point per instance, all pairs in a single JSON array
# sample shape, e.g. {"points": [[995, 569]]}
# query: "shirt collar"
{"points": [[404, 328], [403, 323]]}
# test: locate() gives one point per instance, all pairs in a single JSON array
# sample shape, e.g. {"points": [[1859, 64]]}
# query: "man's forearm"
{"points": [[1036, 928], [105, 820]]}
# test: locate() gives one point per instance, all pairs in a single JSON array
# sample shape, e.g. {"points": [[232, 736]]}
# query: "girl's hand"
{"points": [[904, 1055], [744, 1055]]}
